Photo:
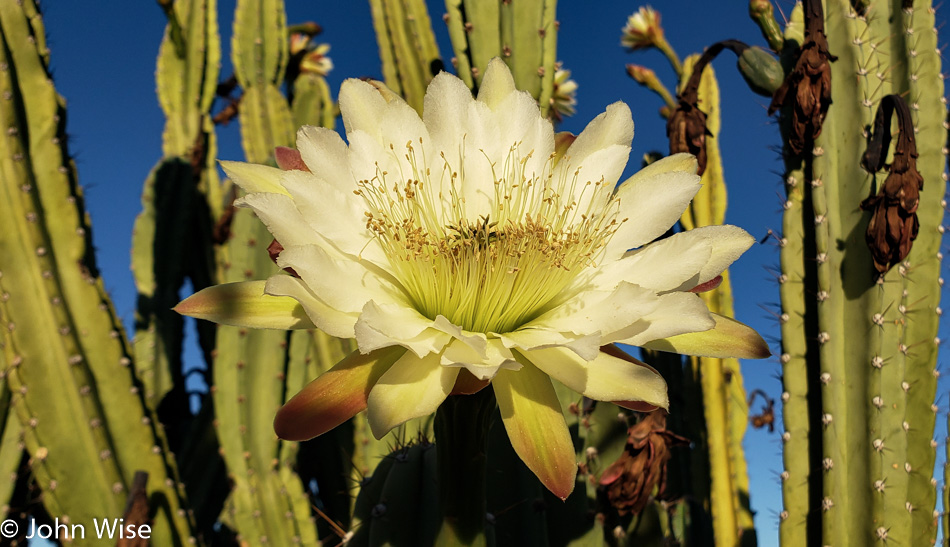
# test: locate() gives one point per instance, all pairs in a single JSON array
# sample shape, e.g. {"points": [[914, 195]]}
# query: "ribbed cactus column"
{"points": [[85, 423], [723, 396], [858, 351], [182, 197], [523, 33], [268, 504], [410, 56]]}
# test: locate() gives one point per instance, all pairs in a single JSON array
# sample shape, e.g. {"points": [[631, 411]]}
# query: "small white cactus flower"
{"points": [[463, 248], [642, 29]]}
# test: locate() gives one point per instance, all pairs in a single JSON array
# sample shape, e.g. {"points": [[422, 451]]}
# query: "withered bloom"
{"points": [[894, 225], [686, 127], [630, 480], [808, 85]]}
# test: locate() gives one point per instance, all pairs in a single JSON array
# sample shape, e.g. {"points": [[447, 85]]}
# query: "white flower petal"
{"points": [[668, 264], [336, 216], [651, 201], [252, 177], [497, 84], [483, 365], [325, 154], [280, 214], [727, 244], [677, 313], [345, 284], [361, 105], [411, 388], [600, 311], [528, 338], [326, 318], [604, 378], [382, 325], [612, 127]]}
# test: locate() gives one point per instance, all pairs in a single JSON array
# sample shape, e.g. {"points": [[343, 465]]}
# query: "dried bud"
{"points": [[642, 30], [808, 85], [629, 481], [893, 225]]}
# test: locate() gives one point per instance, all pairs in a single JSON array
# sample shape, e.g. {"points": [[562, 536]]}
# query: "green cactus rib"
{"points": [[522, 33], [268, 503], [924, 85], [407, 46], [66, 357], [313, 104], [864, 455], [186, 76], [259, 46], [455, 20], [11, 441]]}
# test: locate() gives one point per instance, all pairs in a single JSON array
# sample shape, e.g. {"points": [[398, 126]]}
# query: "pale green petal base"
{"points": [[244, 304]]}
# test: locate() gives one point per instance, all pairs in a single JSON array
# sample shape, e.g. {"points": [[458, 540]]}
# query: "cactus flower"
{"points": [[462, 249], [642, 29]]}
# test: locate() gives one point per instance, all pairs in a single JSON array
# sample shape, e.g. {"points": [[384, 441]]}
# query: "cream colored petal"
{"points": [[613, 130], [528, 338], [344, 284], [532, 416], [497, 84], [600, 311], [329, 320], [334, 397], [677, 313], [482, 364], [729, 338], [605, 378], [411, 388], [382, 325], [727, 244], [244, 304], [668, 264], [325, 154], [361, 105], [279, 213], [253, 178], [338, 218], [651, 201]]}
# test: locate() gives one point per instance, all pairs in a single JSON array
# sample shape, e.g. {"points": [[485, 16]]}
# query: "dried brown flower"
{"points": [[808, 85], [629, 481], [893, 225]]}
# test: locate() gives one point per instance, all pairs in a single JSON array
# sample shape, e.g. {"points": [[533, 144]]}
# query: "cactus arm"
{"points": [[460, 44], [387, 54], [407, 46], [548, 33], [723, 398], [924, 87], [413, 76], [484, 35], [869, 348], [68, 360]]}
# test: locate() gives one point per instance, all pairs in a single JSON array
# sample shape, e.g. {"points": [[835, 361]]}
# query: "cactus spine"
{"points": [[859, 356]]}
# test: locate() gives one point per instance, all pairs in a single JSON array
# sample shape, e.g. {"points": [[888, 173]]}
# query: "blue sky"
{"points": [[103, 56]]}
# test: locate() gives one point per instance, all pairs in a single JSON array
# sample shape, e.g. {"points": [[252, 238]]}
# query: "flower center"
{"points": [[508, 265]]}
